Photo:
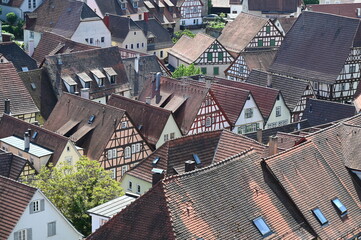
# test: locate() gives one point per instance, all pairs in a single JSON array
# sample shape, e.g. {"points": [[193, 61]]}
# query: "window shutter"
{"points": [[42, 205], [16, 235], [31, 207], [29, 234]]}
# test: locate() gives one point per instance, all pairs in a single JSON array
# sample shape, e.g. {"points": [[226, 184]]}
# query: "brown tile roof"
{"points": [[188, 202], [192, 95], [263, 96], [13, 88], [15, 197], [260, 60], [85, 61], [150, 120], [10, 126], [113, 7], [188, 54], [286, 23], [317, 47], [274, 6], [173, 154], [287, 140], [11, 166], [13, 3], [13, 53], [314, 173], [70, 117], [60, 17], [51, 44], [238, 34], [346, 9]]}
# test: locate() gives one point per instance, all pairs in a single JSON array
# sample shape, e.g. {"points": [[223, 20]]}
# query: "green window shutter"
{"points": [[204, 70], [273, 42], [220, 56], [215, 70], [215, 46], [260, 43], [209, 57], [268, 29]]}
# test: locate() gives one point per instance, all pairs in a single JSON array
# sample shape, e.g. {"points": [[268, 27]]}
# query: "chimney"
{"points": [[29, 131], [7, 106], [259, 135], [147, 100], [84, 93], [273, 145], [26, 142], [136, 63], [269, 80], [106, 20], [157, 87], [58, 57], [31, 47], [157, 175], [189, 166]]}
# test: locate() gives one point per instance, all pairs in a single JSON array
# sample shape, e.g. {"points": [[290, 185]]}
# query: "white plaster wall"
{"points": [[135, 37], [236, 9], [96, 221], [37, 37], [285, 114], [222, 68], [170, 127], [25, 5], [93, 29], [144, 185], [158, 51], [257, 116], [191, 21], [173, 61], [102, 100], [39, 222], [72, 153]]}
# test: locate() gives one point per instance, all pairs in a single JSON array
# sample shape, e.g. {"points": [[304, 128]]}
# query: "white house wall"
{"points": [[27, 37], [283, 119], [38, 222], [170, 127], [97, 221], [93, 29], [135, 40], [144, 185], [94, 6]]}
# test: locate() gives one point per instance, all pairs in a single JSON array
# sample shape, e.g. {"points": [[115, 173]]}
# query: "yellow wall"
{"points": [[144, 185], [170, 127], [70, 153]]}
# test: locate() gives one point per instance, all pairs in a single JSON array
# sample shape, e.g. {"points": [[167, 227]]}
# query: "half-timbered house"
{"points": [[249, 32], [202, 50], [245, 62], [325, 50], [13, 166], [191, 12], [194, 106], [106, 133]]}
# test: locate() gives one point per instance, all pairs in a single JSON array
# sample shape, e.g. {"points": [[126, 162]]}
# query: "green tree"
{"points": [[11, 17], [183, 71], [179, 34], [311, 2], [76, 189]]}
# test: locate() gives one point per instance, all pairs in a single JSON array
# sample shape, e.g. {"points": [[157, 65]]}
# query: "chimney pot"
{"points": [[84, 93], [26, 142], [7, 106], [189, 166], [273, 145]]}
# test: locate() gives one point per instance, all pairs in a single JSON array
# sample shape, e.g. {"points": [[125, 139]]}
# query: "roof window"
{"points": [[319, 215], [155, 161], [342, 210], [91, 119], [34, 135], [262, 226], [196, 158]]}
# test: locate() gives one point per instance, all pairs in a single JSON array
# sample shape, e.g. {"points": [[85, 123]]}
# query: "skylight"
{"points": [[319, 215], [34, 135], [340, 207], [91, 119], [196, 158], [155, 161], [262, 226]]}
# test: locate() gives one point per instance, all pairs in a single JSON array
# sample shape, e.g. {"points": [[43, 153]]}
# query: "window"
{"points": [[215, 70], [130, 185], [142, 44], [137, 147], [215, 46], [135, 4], [37, 206], [140, 17], [25, 69], [87, 40], [122, 5], [260, 43], [135, 33], [131, 46], [342, 210], [133, 148], [23, 234], [69, 160], [137, 45], [248, 112], [248, 128], [268, 29], [352, 68], [209, 57], [278, 111], [165, 137], [204, 70], [172, 136], [112, 79], [31, 35], [34, 3], [124, 124], [262, 226], [126, 46], [29, 3], [113, 172], [220, 56], [51, 229], [124, 169], [208, 122], [138, 188], [273, 42], [315, 85], [183, 22], [319, 215], [241, 68], [102, 39], [127, 152], [72, 88], [161, 54], [91, 40]]}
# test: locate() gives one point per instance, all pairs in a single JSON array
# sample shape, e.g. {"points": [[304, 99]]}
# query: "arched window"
{"points": [[208, 122], [127, 152]]}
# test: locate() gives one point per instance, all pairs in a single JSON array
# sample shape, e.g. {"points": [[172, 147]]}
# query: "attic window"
{"points": [[91, 119], [262, 226], [111, 74], [34, 135], [320, 217], [155, 161], [122, 5], [135, 4], [196, 158], [342, 210]]}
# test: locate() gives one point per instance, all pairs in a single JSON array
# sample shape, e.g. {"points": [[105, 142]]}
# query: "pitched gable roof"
{"points": [[113, 7], [11, 165], [15, 197], [199, 44], [10, 126], [317, 47], [70, 118], [12, 52], [60, 17], [51, 44], [259, 59], [237, 34], [150, 120], [342, 9], [121, 26], [13, 88], [274, 6]]}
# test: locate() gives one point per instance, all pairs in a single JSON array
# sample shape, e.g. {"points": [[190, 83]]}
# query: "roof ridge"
{"points": [[288, 150], [327, 101], [85, 51], [12, 180], [244, 136]]}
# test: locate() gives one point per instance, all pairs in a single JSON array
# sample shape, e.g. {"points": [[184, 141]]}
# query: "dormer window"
{"points": [[85, 80], [150, 40], [69, 83], [122, 5], [111, 74], [99, 77], [5, 1], [135, 4]]}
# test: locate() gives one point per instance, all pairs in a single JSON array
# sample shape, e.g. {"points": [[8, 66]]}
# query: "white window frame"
{"points": [[137, 147], [114, 173], [133, 148], [208, 121], [130, 185], [278, 111], [127, 152], [138, 188], [248, 113], [124, 125], [124, 169], [166, 138]]}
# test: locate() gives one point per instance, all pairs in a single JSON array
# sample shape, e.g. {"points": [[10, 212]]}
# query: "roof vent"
{"points": [[91, 119]]}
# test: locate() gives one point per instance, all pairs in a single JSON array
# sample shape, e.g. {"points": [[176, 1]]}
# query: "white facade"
{"points": [[93, 33], [170, 131], [135, 40], [250, 118], [191, 21], [97, 221], [31, 36], [280, 114], [44, 221]]}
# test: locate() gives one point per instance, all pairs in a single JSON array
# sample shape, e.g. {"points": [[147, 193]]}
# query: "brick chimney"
{"points": [[273, 145], [189, 166]]}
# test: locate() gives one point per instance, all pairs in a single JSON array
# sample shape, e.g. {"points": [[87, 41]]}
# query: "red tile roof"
{"points": [[346, 9]]}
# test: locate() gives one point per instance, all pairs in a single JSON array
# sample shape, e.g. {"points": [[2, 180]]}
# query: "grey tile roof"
{"points": [[12, 52]]}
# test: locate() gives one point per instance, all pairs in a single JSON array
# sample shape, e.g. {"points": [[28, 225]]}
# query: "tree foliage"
{"points": [[183, 71], [11, 17], [311, 2], [76, 189], [179, 34]]}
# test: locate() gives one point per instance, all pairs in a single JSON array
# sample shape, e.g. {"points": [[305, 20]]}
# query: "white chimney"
{"points": [[31, 48], [85, 93], [147, 100], [136, 63], [269, 80], [26, 142]]}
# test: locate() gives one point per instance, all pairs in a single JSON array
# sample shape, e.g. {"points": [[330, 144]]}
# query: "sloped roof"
{"points": [[286, 23], [51, 44], [189, 201], [12, 52], [13, 88], [120, 26], [113, 7], [199, 44], [92, 137], [13, 3], [292, 89], [15, 197], [319, 112], [342, 9], [260, 60], [237, 34], [10, 126], [11, 166], [150, 120], [274, 6], [317, 47], [60, 17], [264, 97]]}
